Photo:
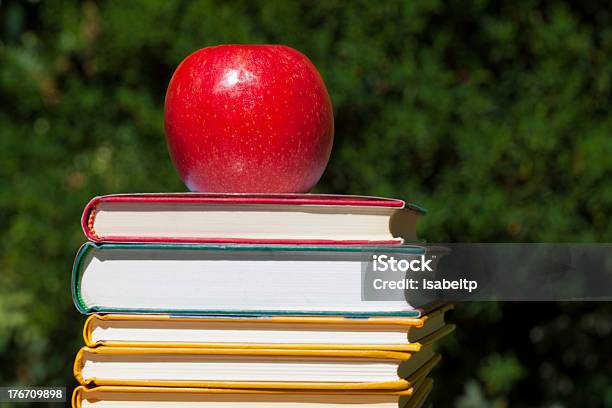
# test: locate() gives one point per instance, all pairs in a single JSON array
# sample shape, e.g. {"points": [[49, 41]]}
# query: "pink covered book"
{"points": [[250, 219]]}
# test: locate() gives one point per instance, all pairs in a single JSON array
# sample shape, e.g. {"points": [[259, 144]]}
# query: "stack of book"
{"points": [[234, 300]]}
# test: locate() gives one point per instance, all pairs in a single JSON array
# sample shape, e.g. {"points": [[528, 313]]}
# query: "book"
{"points": [[250, 218], [264, 368], [301, 332], [109, 396], [206, 279]]}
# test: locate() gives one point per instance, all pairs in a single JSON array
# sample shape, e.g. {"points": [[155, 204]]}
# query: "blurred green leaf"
{"points": [[500, 372]]}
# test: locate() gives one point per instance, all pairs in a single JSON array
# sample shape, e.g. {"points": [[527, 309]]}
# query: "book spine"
{"points": [[75, 278], [87, 220]]}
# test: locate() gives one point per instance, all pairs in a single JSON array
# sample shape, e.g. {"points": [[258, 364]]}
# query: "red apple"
{"points": [[248, 118]]}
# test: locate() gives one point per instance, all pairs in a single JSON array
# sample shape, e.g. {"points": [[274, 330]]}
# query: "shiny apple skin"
{"points": [[248, 119]]}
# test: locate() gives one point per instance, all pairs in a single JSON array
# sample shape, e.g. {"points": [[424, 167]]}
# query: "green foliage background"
{"points": [[494, 116]]}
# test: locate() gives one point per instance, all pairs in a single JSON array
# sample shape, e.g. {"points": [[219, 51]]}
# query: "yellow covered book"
{"points": [[293, 332], [136, 397], [254, 368]]}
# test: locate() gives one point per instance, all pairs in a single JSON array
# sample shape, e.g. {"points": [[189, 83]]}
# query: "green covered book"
{"points": [[250, 280]]}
